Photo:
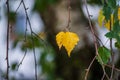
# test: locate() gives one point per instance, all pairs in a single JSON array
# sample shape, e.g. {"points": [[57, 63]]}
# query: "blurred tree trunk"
{"points": [[55, 18]]}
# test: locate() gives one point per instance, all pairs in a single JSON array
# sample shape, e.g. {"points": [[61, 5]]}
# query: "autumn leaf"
{"points": [[108, 23], [101, 19], [59, 39], [119, 13], [42, 35], [68, 40]]}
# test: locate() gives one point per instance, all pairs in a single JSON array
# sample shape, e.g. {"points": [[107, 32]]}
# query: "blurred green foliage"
{"points": [[13, 66], [41, 5], [95, 2], [27, 44], [12, 17], [47, 62], [47, 54]]}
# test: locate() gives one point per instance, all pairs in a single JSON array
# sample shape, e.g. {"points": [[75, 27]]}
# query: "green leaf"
{"points": [[115, 33], [116, 27], [13, 67], [104, 55], [112, 3], [12, 17], [117, 44], [116, 13], [107, 11], [110, 34]]}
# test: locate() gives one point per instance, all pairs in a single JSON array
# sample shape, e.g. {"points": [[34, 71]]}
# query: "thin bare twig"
{"points": [[91, 28], [38, 36], [103, 77], [99, 40], [18, 6], [25, 36], [112, 54], [94, 37], [45, 44], [7, 45], [104, 72], [106, 41], [111, 67], [32, 39], [88, 69], [22, 59], [95, 42]]}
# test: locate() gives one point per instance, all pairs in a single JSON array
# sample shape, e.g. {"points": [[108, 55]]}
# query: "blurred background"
{"points": [[47, 18]]}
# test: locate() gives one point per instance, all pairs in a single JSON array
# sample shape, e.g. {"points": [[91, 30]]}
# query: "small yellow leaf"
{"points": [[119, 13], [59, 39], [71, 39], [42, 35], [68, 40], [108, 23], [101, 18]]}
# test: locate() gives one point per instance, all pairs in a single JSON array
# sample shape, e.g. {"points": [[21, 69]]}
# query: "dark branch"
{"points": [[32, 39], [7, 45]]}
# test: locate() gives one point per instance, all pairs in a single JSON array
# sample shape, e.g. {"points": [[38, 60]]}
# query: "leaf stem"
{"points": [[69, 15]]}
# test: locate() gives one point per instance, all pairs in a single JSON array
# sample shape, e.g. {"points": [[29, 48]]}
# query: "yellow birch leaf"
{"points": [[71, 39], [59, 39], [119, 13], [101, 18], [68, 40]]}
